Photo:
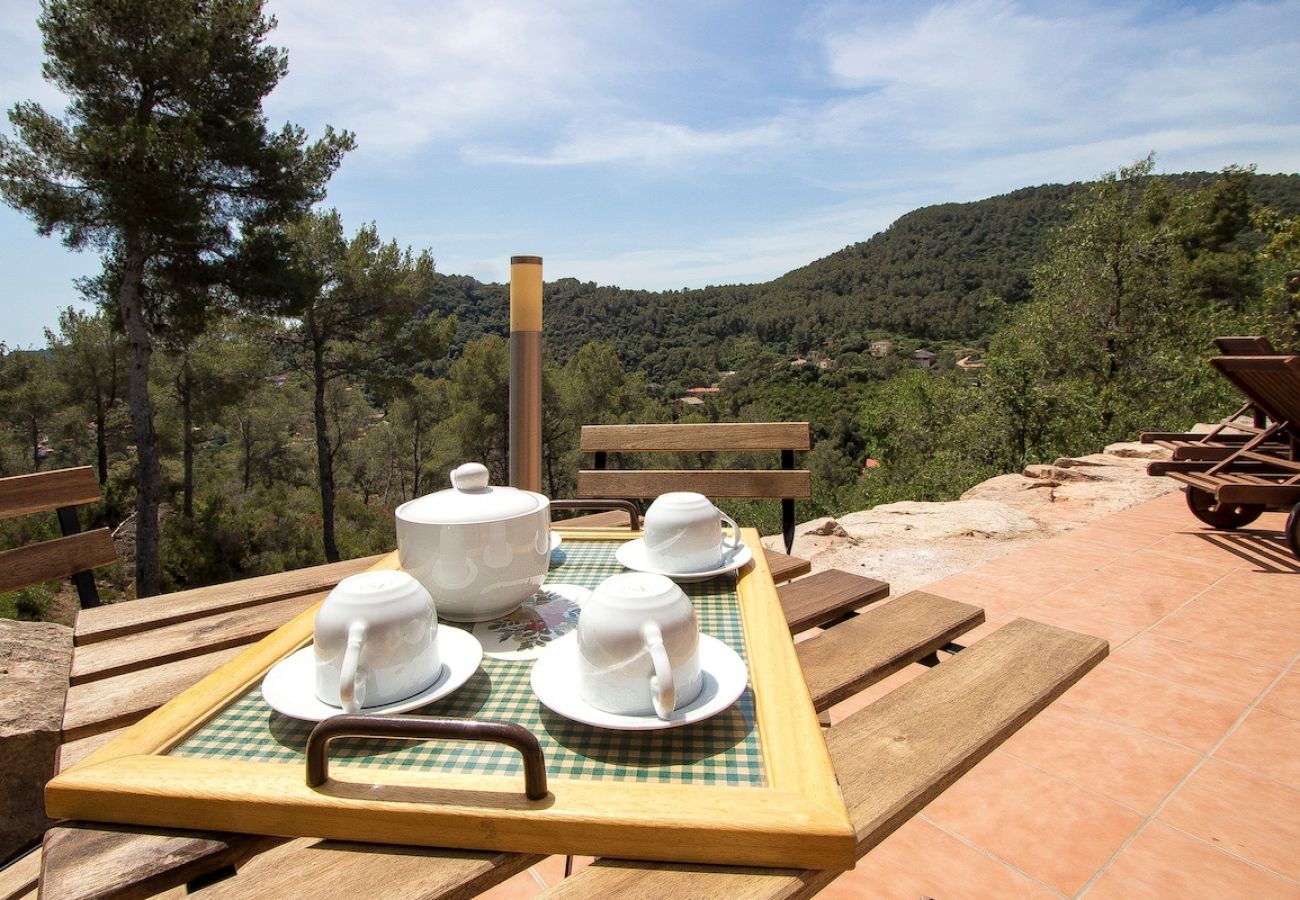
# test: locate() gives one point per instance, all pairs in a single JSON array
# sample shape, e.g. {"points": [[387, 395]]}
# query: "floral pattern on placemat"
{"points": [[525, 633]]}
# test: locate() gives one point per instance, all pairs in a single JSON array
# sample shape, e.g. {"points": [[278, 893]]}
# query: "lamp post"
{"points": [[526, 372]]}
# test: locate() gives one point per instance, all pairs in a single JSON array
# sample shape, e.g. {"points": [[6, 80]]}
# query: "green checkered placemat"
{"points": [[723, 750]]}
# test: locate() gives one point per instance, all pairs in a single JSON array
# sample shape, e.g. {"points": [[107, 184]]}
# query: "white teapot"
{"points": [[479, 549]]}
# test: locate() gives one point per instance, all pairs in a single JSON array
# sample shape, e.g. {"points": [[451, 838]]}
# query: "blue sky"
{"points": [[680, 144]]}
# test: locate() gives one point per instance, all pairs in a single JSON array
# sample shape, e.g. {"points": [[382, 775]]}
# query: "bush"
{"points": [[29, 604]]}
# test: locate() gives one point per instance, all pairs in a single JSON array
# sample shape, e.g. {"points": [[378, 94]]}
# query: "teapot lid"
{"points": [[470, 500]]}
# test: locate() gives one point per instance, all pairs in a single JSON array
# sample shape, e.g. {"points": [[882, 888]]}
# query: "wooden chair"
{"points": [[1263, 472], [810, 602], [75, 554], [1231, 432]]}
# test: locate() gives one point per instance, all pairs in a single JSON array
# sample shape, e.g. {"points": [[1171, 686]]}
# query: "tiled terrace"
{"points": [[1171, 770]]}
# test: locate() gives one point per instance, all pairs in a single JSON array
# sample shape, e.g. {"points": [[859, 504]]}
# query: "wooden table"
{"points": [[891, 758]]}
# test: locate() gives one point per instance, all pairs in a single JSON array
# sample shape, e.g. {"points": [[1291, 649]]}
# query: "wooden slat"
{"points": [[827, 596], [1243, 345], [856, 654], [893, 757], [336, 869], [101, 861], [73, 752], [107, 703], [58, 558], [724, 436], [23, 494], [639, 483], [785, 567], [118, 619], [1228, 489], [18, 879], [184, 639], [1277, 495]]}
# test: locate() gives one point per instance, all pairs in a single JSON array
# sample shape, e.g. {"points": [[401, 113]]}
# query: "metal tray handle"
{"points": [[419, 728], [626, 505]]}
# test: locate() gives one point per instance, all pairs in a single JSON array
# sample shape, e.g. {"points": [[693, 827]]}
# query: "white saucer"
{"points": [[290, 687], [631, 555], [555, 682]]}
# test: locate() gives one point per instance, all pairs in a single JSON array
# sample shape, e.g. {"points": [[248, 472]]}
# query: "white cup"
{"points": [[375, 641], [638, 646], [683, 534]]}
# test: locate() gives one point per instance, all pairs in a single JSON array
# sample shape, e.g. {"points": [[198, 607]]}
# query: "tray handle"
{"points": [[626, 505], [416, 728]]}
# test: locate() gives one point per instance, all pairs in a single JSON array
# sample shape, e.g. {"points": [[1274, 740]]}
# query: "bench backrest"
{"points": [[1244, 345], [1271, 383], [73, 555], [786, 484]]}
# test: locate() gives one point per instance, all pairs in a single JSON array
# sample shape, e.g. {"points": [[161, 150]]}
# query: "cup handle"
{"points": [[348, 672], [730, 549], [663, 691]]}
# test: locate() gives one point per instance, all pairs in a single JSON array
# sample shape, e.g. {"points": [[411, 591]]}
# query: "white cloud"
{"points": [[644, 143], [405, 75], [992, 75]]}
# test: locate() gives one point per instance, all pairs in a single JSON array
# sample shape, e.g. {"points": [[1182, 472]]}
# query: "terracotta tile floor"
{"points": [[1172, 770]]}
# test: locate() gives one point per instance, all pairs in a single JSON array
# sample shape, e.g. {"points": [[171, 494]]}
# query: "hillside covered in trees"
{"points": [[948, 273]]}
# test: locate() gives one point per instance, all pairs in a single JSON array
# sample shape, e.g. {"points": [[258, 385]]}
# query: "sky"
{"points": [[682, 144]]}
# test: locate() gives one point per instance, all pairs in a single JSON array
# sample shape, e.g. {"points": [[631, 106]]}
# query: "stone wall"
{"points": [[35, 658]]}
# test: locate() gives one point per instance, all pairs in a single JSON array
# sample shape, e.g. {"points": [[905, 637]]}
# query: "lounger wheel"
{"points": [[1202, 504], [1293, 530]]}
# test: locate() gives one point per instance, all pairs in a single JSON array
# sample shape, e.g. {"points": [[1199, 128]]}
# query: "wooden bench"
{"points": [[75, 554], [891, 758], [815, 601], [786, 484]]}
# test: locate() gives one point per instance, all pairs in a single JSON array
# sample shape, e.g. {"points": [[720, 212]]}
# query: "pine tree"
{"points": [[164, 157]]}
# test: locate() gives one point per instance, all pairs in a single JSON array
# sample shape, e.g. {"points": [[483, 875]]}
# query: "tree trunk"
{"points": [[36, 443], [246, 438], [148, 478], [324, 457], [101, 442], [187, 442]]}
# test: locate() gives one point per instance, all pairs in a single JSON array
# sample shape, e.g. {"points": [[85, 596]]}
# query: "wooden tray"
{"points": [[795, 818]]}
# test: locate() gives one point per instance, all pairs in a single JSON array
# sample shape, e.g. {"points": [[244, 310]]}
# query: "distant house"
{"points": [[924, 359], [690, 401], [881, 348], [797, 363], [969, 362], [825, 364], [702, 391]]}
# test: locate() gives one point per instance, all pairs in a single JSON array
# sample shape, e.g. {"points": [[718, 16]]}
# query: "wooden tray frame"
{"points": [[797, 819]]}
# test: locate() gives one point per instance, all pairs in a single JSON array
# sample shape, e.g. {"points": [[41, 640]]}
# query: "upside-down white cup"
{"points": [[683, 533], [638, 646], [375, 641]]}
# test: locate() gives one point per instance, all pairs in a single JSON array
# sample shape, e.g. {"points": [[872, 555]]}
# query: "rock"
{"points": [[1059, 473], [829, 527], [35, 658], [1136, 450], [938, 521], [913, 544]]}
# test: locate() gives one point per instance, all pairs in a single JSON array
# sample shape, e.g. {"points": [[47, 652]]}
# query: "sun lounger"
{"points": [[1263, 472]]}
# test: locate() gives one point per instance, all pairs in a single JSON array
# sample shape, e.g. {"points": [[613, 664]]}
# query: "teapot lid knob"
{"points": [[470, 477]]}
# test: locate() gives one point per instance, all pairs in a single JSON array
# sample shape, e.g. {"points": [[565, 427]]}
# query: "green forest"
{"points": [[258, 390]]}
